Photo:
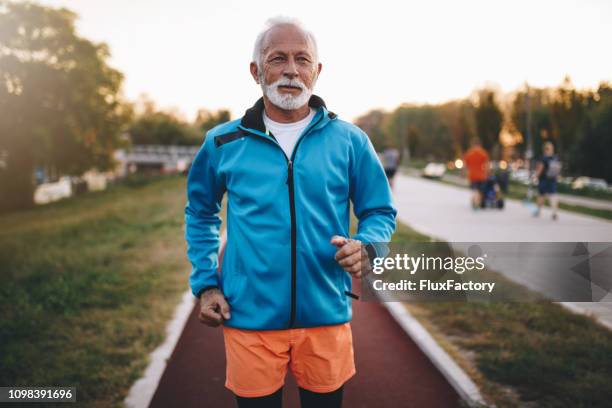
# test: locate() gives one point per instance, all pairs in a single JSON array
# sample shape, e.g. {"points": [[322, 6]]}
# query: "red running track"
{"points": [[391, 370]]}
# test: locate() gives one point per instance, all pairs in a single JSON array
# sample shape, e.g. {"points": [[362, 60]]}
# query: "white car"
{"points": [[587, 182], [434, 170]]}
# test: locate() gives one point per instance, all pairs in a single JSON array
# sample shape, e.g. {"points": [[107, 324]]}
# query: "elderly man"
{"points": [[290, 169]]}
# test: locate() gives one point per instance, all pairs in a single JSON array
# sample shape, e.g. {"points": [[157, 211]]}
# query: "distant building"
{"points": [[165, 159]]}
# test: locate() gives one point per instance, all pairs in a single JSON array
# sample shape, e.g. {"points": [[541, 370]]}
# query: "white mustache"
{"points": [[296, 83]]}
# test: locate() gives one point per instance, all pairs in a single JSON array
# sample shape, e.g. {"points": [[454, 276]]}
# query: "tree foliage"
{"points": [[207, 120], [489, 119], [438, 132], [589, 155], [541, 126], [156, 127], [371, 123], [578, 122], [60, 102]]}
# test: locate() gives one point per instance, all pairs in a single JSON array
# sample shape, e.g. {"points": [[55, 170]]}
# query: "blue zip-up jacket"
{"points": [[279, 269]]}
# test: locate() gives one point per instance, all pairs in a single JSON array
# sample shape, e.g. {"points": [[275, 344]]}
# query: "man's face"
{"points": [[288, 70]]}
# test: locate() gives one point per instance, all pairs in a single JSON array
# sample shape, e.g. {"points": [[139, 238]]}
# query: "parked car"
{"points": [[588, 182], [434, 170]]}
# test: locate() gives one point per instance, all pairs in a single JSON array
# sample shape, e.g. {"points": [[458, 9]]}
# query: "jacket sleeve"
{"points": [[205, 191], [371, 196]]}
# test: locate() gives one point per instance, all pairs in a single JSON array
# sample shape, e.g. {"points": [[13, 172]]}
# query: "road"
{"points": [[442, 211]]}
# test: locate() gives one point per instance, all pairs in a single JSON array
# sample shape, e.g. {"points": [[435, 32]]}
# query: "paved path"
{"points": [[391, 370], [443, 211]]}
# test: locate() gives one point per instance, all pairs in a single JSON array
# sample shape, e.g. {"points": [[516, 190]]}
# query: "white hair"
{"points": [[276, 22]]}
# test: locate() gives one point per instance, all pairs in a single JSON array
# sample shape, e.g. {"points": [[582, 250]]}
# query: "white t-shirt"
{"points": [[287, 134]]}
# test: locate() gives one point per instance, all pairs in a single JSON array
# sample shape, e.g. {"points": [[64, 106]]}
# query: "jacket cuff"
{"points": [[204, 289]]}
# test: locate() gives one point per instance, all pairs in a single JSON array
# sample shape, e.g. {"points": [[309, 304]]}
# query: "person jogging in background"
{"points": [[290, 168], [390, 158], [548, 169], [476, 162]]}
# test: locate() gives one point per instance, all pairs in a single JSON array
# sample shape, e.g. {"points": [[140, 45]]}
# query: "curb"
{"points": [[456, 377], [144, 388], [581, 311]]}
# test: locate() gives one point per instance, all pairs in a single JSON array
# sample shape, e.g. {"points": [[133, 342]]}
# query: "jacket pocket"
{"points": [[232, 277], [258, 287]]}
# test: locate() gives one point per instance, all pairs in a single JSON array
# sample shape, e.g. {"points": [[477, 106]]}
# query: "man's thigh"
{"points": [[256, 361], [322, 358]]}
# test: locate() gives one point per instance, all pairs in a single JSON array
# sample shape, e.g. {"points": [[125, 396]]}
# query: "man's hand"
{"points": [[213, 308], [351, 255]]}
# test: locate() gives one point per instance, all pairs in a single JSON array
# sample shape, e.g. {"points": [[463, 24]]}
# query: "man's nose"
{"points": [[290, 70]]}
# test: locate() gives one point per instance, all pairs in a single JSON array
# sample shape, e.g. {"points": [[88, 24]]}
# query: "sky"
{"points": [[191, 54]]}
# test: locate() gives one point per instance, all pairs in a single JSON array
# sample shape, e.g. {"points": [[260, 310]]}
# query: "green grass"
{"points": [[593, 212], [522, 354], [519, 194], [585, 192], [88, 285]]}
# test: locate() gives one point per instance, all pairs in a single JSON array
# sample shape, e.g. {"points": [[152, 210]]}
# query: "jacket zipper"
{"points": [[294, 224], [290, 187]]}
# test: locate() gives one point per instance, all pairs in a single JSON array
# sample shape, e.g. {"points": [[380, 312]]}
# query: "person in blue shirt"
{"points": [[547, 171], [290, 170]]}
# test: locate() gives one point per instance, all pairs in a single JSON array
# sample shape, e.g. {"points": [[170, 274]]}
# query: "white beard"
{"points": [[287, 101]]}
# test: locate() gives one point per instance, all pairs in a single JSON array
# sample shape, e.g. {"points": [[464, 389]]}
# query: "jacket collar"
{"points": [[253, 117]]}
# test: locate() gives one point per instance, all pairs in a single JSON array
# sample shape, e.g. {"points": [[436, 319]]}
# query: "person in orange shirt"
{"points": [[476, 161]]}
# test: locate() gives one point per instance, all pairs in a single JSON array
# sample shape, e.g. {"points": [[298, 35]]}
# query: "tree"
{"points": [[423, 130], [161, 128], [371, 124], [207, 120], [60, 103], [568, 114], [541, 119], [459, 118], [152, 126], [489, 119], [589, 155]]}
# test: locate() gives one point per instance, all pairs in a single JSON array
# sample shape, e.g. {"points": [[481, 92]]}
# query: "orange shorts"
{"points": [[321, 359]]}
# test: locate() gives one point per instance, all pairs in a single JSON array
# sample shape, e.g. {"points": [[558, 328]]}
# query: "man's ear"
{"points": [[319, 68], [254, 72]]}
